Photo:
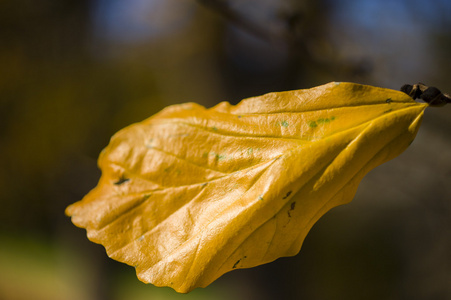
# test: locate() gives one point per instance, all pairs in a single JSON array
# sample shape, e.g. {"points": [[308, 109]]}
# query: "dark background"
{"points": [[74, 72]]}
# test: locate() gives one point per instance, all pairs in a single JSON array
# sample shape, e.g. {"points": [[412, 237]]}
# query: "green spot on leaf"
{"points": [[221, 156], [284, 124], [218, 156], [312, 124], [320, 121], [323, 121]]}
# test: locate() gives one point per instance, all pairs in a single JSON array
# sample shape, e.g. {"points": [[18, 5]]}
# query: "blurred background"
{"points": [[74, 72]]}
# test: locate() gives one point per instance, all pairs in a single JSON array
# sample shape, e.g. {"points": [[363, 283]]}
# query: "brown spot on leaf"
{"points": [[237, 262], [121, 180], [293, 204], [287, 195]]}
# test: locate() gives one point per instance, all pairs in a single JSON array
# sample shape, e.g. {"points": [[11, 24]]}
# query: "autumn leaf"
{"points": [[192, 193]]}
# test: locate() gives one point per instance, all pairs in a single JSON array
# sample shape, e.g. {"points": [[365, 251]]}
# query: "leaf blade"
{"points": [[212, 190]]}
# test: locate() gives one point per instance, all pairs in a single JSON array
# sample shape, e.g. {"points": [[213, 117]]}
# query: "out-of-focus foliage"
{"points": [[69, 80], [190, 194]]}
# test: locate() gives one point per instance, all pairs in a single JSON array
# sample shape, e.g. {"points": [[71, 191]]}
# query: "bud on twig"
{"points": [[430, 95]]}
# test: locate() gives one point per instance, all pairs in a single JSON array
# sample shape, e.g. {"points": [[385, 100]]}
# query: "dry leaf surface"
{"points": [[192, 193]]}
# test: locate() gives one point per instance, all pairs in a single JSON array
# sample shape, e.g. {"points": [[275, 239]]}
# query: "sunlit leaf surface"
{"points": [[192, 193]]}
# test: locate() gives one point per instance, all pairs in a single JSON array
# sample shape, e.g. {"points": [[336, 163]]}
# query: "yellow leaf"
{"points": [[192, 193]]}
